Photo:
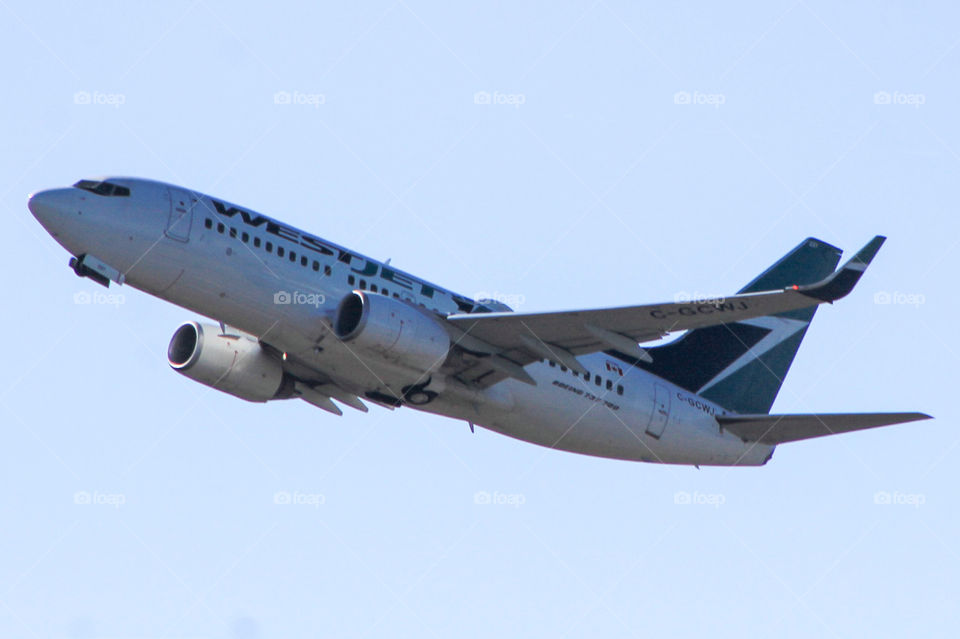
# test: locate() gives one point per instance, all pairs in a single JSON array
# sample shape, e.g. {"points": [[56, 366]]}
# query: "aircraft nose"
{"points": [[47, 206]]}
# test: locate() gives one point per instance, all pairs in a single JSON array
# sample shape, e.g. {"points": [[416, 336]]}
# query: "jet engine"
{"points": [[234, 364], [393, 330]]}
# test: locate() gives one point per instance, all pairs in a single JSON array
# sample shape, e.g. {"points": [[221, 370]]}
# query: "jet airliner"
{"points": [[295, 316]]}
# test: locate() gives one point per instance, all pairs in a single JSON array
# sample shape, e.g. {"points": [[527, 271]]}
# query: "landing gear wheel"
{"points": [[417, 394]]}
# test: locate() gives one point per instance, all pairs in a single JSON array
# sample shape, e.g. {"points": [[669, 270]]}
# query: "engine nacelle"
{"points": [[396, 331], [234, 364]]}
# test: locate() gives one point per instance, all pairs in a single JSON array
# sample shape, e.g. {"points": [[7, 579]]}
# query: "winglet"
{"points": [[840, 283]]}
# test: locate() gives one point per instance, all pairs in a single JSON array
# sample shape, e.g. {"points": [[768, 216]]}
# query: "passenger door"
{"points": [[661, 411], [182, 203]]}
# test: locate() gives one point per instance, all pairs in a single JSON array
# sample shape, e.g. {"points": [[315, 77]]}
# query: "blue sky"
{"points": [[628, 153]]}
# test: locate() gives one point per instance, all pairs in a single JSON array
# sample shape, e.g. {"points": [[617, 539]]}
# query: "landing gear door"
{"points": [[182, 203], [661, 411]]}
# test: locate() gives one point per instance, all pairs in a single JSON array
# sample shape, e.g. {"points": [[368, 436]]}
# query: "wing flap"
{"points": [[780, 429]]}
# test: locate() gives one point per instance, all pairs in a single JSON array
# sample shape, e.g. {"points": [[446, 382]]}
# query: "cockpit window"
{"points": [[103, 188]]}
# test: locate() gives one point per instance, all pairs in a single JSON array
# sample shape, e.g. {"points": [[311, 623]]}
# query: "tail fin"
{"points": [[741, 366]]}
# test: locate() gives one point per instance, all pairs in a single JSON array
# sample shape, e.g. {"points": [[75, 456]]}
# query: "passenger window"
{"points": [[233, 232], [245, 237], [280, 251], [363, 285], [563, 368], [327, 270], [586, 377], [619, 389], [208, 223], [351, 280], [373, 287], [220, 227], [269, 247], [303, 260], [256, 242], [597, 380], [316, 265], [609, 385]]}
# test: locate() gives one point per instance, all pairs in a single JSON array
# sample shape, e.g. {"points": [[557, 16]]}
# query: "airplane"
{"points": [[297, 316]]}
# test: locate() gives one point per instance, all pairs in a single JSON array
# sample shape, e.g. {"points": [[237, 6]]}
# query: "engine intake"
{"points": [[234, 364], [393, 330]]}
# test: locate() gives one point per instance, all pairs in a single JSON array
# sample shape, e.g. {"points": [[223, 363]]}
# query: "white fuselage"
{"points": [[211, 257]]}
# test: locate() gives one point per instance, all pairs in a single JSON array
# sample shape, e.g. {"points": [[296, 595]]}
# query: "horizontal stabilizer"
{"points": [[779, 429]]}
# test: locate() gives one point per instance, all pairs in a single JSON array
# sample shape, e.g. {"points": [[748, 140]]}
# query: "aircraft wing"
{"points": [[500, 344], [779, 429]]}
